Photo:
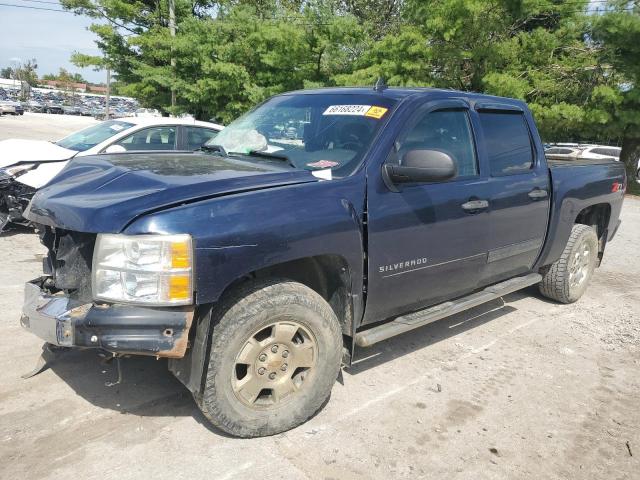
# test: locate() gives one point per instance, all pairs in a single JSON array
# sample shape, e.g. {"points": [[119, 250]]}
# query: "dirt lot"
{"points": [[530, 390], [41, 126]]}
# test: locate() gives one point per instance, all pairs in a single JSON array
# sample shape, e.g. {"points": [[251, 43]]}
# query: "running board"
{"points": [[417, 319]]}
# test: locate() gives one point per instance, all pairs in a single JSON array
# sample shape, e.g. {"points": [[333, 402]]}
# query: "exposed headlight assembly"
{"points": [[17, 170], [153, 270]]}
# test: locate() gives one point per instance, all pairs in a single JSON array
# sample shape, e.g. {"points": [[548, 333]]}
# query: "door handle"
{"points": [[475, 205], [537, 193]]}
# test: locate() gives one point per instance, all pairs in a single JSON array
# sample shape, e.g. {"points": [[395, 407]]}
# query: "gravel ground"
{"points": [[528, 389], [41, 126]]}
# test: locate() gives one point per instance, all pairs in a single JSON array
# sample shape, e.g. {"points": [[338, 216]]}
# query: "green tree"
{"points": [[22, 71], [229, 55], [65, 76], [539, 52], [617, 34]]}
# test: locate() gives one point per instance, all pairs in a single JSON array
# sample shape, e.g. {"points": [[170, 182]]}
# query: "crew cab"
{"points": [[319, 222]]}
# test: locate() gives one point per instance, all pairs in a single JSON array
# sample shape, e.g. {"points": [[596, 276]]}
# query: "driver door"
{"points": [[425, 244]]}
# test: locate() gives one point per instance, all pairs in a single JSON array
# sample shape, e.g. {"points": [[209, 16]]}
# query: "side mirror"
{"points": [[115, 149], [422, 166]]}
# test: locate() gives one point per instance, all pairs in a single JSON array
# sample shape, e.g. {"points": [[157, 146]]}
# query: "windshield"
{"points": [[92, 136], [312, 131]]}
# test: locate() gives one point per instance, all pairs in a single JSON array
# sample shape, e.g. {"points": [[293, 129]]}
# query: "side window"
{"points": [[448, 131], [558, 151], [155, 138], [195, 137], [508, 142]]}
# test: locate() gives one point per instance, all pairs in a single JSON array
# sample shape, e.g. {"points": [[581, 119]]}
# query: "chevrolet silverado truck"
{"points": [[320, 221]]}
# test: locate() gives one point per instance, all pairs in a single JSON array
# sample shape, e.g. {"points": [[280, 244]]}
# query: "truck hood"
{"points": [[14, 151], [104, 194]]}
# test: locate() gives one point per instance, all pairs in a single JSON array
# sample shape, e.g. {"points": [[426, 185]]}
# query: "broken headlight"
{"points": [[149, 269], [17, 170]]}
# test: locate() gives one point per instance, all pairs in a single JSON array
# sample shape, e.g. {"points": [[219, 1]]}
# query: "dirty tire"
{"points": [[559, 279], [270, 308]]}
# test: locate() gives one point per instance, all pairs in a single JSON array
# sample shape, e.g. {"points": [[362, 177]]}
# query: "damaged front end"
{"points": [[58, 307], [14, 198]]}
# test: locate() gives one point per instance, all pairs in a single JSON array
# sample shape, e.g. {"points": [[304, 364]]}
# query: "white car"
{"points": [[27, 165], [597, 152], [574, 151], [7, 107]]}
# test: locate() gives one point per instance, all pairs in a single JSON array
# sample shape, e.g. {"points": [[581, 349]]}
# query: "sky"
{"points": [[49, 37]]}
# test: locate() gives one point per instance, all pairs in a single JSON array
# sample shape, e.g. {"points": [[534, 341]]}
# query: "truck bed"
{"points": [[577, 185], [555, 162]]}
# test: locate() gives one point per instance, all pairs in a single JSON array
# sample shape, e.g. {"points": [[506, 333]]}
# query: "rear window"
{"points": [[508, 142], [558, 151]]}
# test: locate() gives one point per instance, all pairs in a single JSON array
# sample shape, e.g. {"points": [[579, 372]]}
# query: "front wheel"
{"points": [[276, 350], [567, 278]]}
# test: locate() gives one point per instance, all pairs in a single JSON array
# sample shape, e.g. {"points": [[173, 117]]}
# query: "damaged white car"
{"points": [[27, 165]]}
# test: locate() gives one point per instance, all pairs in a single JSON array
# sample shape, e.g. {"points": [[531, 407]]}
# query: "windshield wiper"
{"points": [[272, 155], [214, 148]]}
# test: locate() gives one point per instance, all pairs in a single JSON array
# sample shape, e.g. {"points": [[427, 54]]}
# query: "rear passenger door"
{"points": [[518, 190], [153, 138], [195, 137]]}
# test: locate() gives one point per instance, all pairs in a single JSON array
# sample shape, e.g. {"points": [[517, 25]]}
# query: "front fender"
{"points": [[238, 234]]}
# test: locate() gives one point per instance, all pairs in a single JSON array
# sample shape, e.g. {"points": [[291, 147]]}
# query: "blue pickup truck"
{"points": [[318, 222]]}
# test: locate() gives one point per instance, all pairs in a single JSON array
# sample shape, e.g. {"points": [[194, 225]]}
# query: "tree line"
{"points": [[577, 68]]}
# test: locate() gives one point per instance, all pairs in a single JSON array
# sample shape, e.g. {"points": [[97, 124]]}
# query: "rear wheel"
{"points": [[568, 277], [276, 350]]}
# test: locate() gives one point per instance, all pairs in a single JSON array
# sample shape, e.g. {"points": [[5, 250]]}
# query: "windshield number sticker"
{"points": [[356, 110], [116, 127]]}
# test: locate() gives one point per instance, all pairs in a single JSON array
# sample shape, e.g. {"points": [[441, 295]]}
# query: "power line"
{"points": [[40, 1], [29, 7]]}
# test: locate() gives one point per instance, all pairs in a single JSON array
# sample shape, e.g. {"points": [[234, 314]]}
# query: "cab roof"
{"points": [[398, 93]]}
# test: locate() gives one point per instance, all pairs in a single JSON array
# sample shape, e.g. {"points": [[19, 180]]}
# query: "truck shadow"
{"points": [[422, 337], [147, 388]]}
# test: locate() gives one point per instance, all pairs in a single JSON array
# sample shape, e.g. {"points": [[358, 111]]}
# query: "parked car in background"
{"points": [[55, 108], [598, 152], [7, 107], [34, 106], [27, 165], [562, 153], [71, 110], [569, 151], [149, 112], [19, 109]]}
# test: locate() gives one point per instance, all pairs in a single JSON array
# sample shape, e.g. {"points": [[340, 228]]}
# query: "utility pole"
{"points": [[107, 96], [172, 32]]}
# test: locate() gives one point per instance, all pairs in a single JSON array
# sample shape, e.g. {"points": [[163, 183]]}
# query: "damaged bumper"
{"points": [[117, 328], [14, 198]]}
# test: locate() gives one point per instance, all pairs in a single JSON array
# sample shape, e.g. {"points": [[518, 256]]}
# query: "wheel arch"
{"points": [[596, 216], [328, 275]]}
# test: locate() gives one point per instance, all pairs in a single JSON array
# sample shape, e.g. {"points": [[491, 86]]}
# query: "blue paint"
{"points": [[246, 215]]}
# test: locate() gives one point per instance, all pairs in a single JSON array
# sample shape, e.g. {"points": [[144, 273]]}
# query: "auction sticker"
{"points": [[356, 110], [376, 112], [323, 164], [360, 110]]}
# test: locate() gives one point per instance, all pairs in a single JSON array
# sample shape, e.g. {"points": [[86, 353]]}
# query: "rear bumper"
{"points": [[161, 332]]}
